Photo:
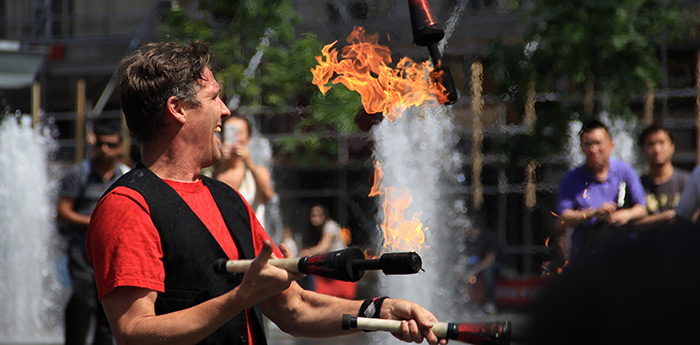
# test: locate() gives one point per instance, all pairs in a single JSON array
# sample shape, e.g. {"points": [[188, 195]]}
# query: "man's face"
{"points": [[658, 148], [597, 146], [206, 120], [107, 147]]}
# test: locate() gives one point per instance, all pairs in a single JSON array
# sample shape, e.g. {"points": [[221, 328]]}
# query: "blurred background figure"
{"points": [[601, 197], [482, 266], [237, 168], [330, 238], [80, 190], [689, 205], [289, 240], [663, 182]]}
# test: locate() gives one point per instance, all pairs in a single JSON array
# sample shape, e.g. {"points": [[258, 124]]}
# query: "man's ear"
{"points": [[175, 109]]}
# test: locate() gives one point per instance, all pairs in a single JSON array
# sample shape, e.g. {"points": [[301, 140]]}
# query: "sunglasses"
{"points": [[109, 145]]}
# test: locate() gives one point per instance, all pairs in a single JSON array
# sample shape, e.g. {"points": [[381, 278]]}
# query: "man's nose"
{"points": [[225, 111]]}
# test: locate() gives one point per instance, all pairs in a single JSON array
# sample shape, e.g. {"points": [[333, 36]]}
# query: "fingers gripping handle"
{"points": [[393, 326], [488, 333], [334, 265], [240, 266], [348, 264]]}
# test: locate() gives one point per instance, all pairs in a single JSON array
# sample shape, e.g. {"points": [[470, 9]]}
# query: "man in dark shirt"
{"points": [[81, 189], [663, 183]]}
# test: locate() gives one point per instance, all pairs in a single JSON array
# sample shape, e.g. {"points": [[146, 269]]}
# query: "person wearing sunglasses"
{"points": [[80, 190]]}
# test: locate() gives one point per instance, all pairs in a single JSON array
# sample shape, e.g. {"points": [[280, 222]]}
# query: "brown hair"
{"points": [[154, 73]]}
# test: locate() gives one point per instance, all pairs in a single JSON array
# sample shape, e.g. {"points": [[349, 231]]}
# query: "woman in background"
{"points": [[332, 238]]}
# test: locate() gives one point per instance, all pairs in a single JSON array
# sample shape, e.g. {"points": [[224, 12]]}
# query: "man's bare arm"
{"points": [[131, 310], [66, 213]]}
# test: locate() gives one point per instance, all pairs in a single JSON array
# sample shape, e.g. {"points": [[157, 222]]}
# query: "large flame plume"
{"points": [[365, 69], [390, 91]]}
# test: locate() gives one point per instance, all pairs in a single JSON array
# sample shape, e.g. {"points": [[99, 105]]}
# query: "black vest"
{"points": [[189, 250]]}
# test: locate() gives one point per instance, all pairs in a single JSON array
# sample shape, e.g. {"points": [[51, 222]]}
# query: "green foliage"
{"points": [[234, 30], [609, 47], [333, 113], [547, 137], [282, 81]]}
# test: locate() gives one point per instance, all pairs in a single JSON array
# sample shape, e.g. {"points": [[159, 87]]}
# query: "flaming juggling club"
{"points": [[485, 333], [346, 264], [392, 263], [427, 32]]}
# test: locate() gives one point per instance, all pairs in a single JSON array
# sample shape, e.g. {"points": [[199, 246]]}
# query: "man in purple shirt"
{"points": [[600, 196]]}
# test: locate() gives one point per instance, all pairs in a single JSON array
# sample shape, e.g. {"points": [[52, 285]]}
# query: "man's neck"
{"points": [[660, 173], [168, 164], [600, 173]]}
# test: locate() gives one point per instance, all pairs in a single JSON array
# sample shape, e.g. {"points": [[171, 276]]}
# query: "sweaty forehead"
{"points": [[208, 82], [207, 74]]}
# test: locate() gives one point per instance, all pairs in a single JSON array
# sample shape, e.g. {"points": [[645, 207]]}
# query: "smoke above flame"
{"points": [[365, 69]]}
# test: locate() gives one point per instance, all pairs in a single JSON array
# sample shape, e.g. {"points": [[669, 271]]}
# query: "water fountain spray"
{"points": [[415, 146], [427, 32], [33, 291]]}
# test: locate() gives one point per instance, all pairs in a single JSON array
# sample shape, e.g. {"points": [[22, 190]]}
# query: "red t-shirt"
{"points": [[124, 246]]}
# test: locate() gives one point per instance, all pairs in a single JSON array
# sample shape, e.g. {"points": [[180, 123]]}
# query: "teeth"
{"points": [[217, 129]]}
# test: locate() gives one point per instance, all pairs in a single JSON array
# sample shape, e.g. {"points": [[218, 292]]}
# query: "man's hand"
{"points": [[624, 216], [416, 321], [605, 212], [263, 280]]}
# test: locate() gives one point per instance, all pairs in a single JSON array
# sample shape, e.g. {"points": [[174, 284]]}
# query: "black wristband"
{"points": [[371, 307]]}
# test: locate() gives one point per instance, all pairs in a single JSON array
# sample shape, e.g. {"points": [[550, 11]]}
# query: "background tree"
{"points": [[265, 65], [593, 55]]}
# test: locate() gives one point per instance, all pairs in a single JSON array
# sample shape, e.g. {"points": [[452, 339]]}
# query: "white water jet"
{"points": [[417, 151], [626, 148], [32, 293], [451, 23], [253, 64], [573, 145]]}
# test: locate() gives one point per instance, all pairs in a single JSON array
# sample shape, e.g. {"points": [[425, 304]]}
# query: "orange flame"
{"points": [[370, 254], [365, 69], [346, 236], [399, 233]]}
